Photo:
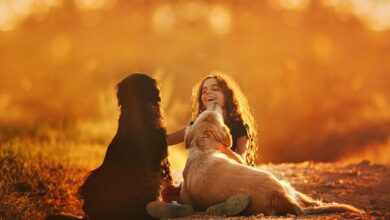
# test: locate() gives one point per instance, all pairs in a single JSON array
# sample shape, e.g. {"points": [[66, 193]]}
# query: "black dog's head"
{"points": [[139, 88], [139, 100]]}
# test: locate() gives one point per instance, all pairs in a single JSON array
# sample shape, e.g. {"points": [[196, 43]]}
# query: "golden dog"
{"points": [[211, 177]]}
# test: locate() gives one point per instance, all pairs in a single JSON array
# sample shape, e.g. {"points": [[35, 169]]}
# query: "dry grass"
{"points": [[32, 188], [41, 174]]}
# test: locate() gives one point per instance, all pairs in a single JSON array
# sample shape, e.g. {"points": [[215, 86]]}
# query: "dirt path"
{"points": [[364, 185]]}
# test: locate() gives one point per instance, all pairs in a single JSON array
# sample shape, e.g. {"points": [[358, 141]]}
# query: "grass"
{"points": [[41, 174], [42, 168], [32, 188]]}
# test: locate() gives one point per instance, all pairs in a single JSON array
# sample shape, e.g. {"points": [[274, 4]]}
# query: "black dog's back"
{"points": [[129, 176], [120, 189]]}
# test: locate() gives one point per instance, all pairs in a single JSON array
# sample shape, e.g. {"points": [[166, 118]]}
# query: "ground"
{"points": [[31, 188]]}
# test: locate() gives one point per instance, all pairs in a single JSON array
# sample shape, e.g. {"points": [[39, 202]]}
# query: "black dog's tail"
{"points": [[65, 217]]}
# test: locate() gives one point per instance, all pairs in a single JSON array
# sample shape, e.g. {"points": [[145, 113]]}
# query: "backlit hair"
{"points": [[236, 106]]}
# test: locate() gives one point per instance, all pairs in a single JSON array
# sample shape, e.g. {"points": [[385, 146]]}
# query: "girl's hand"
{"points": [[211, 142]]}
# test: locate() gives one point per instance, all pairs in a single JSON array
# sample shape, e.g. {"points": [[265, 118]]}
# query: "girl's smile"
{"points": [[211, 92]]}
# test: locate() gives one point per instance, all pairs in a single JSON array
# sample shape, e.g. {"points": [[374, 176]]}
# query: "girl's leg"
{"points": [[171, 193], [162, 210], [171, 206]]}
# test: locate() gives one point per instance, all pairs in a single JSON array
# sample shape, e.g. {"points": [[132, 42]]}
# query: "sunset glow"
{"points": [[316, 73]]}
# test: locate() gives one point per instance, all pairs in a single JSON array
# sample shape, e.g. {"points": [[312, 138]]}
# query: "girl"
{"points": [[222, 89]]}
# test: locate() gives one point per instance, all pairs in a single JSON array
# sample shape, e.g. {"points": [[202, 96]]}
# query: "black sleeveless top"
{"points": [[237, 130]]}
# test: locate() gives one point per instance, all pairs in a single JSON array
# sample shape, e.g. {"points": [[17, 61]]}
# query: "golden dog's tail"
{"points": [[311, 206], [331, 208]]}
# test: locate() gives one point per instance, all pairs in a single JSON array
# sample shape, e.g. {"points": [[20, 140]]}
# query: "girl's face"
{"points": [[212, 92]]}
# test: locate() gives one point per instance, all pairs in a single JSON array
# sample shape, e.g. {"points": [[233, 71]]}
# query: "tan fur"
{"points": [[210, 177]]}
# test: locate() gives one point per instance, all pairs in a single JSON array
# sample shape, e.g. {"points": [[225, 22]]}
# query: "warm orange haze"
{"points": [[316, 74]]}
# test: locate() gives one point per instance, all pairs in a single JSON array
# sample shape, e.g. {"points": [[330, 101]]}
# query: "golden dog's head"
{"points": [[209, 124]]}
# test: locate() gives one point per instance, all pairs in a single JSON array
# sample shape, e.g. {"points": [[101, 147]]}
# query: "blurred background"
{"points": [[316, 72]]}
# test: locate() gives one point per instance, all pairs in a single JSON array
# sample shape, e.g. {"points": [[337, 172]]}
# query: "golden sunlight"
{"points": [[14, 12], [163, 19], [322, 46], [220, 19], [192, 10], [94, 4], [61, 46], [289, 4], [321, 65], [373, 13]]}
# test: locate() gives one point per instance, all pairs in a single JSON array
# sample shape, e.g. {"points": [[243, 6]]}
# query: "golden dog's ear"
{"points": [[188, 137], [226, 138]]}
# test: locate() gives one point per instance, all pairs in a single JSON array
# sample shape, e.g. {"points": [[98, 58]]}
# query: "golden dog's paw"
{"points": [[231, 207]]}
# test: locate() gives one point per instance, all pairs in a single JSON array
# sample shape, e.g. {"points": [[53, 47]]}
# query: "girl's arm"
{"points": [[238, 154], [231, 154], [224, 149], [242, 146], [176, 137]]}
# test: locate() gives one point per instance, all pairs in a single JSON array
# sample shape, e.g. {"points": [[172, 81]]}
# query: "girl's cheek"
{"points": [[203, 103]]}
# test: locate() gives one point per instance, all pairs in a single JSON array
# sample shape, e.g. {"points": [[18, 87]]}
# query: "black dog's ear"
{"points": [[188, 137], [121, 92], [126, 88]]}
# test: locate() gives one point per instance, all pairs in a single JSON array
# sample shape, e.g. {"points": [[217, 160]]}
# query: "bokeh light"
{"points": [[316, 73], [220, 19]]}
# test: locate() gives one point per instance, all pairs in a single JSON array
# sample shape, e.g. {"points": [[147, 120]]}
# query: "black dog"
{"points": [[129, 177]]}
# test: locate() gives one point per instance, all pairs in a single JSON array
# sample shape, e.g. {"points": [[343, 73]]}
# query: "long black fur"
{"points": [[129, 176]]}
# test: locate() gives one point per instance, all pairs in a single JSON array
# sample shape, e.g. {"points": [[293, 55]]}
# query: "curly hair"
{"points": [[236, 106], [166, 173]]}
